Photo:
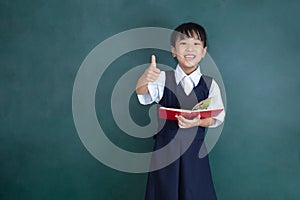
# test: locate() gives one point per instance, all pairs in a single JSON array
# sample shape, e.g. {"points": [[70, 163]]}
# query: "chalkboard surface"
{"points": [[255, 44]]}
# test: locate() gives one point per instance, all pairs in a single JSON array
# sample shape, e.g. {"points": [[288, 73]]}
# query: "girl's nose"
{"points": [[189, 47]]}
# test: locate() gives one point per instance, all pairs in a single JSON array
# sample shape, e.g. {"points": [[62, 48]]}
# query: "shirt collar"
{"points": [[195, 76]]}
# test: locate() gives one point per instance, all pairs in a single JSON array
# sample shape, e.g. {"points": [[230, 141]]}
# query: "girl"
{"points": [[188, 177]]}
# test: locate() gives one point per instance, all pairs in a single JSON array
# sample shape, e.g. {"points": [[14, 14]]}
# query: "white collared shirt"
{"points": [[156, 90]]}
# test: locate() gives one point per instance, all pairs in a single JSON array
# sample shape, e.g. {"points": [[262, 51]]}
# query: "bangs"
{"points": [[188, 30], [190, 34]]}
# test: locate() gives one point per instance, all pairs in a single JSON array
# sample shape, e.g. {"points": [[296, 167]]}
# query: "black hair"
{"points": [[189, 29]]}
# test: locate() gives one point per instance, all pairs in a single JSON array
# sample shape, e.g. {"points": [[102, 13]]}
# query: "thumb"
{"points": [[153, 61]]}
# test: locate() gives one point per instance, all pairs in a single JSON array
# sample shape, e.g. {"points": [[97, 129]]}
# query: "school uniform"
{"points": [[188, 177]]}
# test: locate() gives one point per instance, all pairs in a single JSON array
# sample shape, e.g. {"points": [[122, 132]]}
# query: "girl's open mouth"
{"points": [[189, 57]]}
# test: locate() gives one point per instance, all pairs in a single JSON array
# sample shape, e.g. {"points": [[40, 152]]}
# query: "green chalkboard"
{"points": [[255, 44]]}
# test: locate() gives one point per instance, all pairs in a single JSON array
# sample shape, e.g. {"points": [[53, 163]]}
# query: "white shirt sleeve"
{"points": [[216, 102], [155, 89]]}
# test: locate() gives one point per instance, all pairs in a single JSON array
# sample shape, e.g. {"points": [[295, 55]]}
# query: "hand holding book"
{"points": [[196, 121], [198, 109]]}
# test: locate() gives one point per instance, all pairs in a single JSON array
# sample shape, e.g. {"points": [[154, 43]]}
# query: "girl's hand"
{"points": [[150, 75], [188, 123], [152, 72]]}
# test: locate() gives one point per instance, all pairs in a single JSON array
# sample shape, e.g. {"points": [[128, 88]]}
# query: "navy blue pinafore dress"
{"points": [[188, 177]]}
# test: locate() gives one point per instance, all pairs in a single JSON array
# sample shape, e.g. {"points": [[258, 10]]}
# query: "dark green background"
{"points": [[255, 43]]}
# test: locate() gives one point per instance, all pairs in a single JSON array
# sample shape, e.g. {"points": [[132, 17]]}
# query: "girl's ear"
{"points": [[204, 52], [173, 51]]}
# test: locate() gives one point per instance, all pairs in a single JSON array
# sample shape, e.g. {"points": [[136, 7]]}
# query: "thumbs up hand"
{"points": [[150, 75]]}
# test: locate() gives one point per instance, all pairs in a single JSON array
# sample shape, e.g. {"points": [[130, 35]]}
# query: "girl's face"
{"points": [[189, 51]]}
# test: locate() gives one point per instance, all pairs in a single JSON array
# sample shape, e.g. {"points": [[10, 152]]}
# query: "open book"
{"points": [[199, 109]]}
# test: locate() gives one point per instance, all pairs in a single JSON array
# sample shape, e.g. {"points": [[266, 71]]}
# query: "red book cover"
{"points": [[170, 113]]}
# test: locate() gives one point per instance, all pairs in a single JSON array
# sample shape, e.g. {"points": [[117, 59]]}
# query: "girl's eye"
{"points": [[183, 43], [196, 43]]}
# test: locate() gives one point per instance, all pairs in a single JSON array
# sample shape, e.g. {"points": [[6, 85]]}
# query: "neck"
{"points": [[189, 70]]}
